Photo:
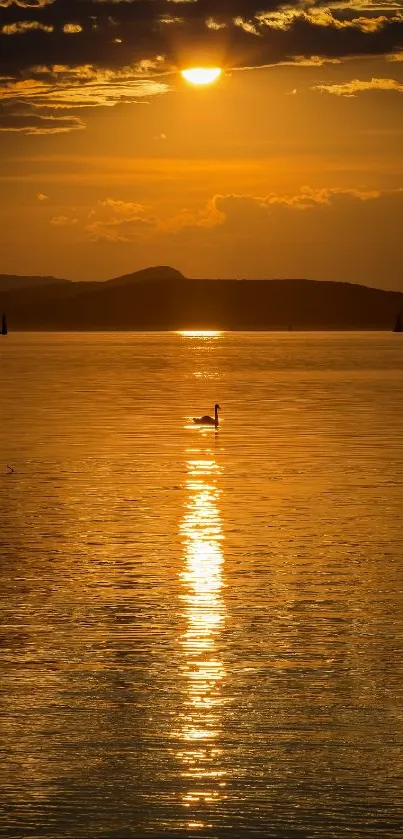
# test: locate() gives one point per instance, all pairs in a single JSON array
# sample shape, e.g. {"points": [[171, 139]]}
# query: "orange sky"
{"points": [[288, 170]]}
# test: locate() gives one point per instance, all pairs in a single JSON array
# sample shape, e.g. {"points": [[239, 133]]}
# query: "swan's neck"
{"points": [[216, 415]]}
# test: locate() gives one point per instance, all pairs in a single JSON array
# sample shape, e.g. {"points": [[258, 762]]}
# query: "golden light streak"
{"points": [[199, 333], [204, 611]]}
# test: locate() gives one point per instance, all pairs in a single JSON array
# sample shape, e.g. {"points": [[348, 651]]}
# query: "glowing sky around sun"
{"points": [[202, 75]]}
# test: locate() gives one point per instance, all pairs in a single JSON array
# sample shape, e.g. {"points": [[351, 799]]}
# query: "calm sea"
{"points": [[201, 632]]}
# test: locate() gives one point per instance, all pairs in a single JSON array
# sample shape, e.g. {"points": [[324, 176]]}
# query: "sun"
{"points": [[201, 75]]}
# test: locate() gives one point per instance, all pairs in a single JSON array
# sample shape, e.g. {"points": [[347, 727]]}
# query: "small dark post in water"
{"points": [[4, 329], [398, 324]]}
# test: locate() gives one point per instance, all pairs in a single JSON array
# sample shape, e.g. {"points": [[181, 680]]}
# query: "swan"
{"points": [[206, 420]]}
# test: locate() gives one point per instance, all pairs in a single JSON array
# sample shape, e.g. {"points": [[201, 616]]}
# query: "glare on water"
{"points": [[201, 628], [204, 610], [200, 333]]}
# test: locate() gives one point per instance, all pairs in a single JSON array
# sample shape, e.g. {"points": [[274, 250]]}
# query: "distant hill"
{"points": [[160, 272], [162, 298], [15, 281]]}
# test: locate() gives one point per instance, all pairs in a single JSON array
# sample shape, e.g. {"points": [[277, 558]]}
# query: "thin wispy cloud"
{"points": [[70, 88], [24, 120], [356, 86]]}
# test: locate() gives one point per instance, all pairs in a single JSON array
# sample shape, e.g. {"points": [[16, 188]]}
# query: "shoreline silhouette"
{"points": [[162, 299]]}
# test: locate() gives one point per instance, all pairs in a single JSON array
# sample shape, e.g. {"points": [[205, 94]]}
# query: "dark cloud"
{"points": [[233, 32], [81, 53], [25, 120]]}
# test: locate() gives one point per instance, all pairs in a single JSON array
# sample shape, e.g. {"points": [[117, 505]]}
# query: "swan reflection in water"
{"points": [[204, 611]]}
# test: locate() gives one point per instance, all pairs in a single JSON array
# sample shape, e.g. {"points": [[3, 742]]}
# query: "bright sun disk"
{"points": [[201, 75]]}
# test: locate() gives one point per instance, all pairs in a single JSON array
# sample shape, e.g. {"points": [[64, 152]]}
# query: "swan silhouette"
{"points": [[206, 420]]}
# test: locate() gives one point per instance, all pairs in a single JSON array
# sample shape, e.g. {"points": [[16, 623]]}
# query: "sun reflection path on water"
{"points": [[204, 610], [200, 333]]}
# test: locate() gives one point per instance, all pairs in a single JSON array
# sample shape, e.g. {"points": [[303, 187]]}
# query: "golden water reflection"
{"points": [[200, 333], [204, 610]]}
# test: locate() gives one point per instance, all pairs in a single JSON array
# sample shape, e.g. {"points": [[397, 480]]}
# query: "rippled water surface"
{"points": [[201, 632]]}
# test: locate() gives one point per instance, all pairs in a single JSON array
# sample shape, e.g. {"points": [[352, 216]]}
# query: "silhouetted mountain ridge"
{"points": [[162, 298], [159, 272], [16, 281]]}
